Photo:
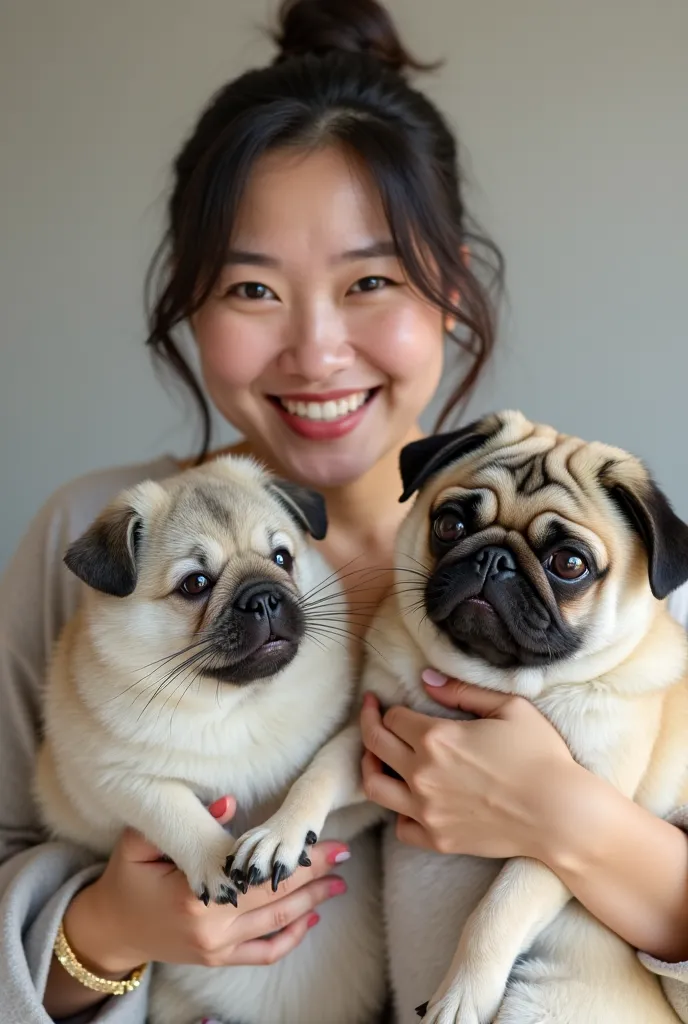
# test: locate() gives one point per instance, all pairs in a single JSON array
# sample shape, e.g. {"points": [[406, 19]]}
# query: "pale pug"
{"points": [[205, 661]]}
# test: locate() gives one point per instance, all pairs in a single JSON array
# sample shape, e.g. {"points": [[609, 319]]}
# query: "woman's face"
{"points": [[312, 343]]}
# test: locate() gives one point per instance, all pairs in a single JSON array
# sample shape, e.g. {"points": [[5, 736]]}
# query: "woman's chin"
{"points": [[325, 469]]}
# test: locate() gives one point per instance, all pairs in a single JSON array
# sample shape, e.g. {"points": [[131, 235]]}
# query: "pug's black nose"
{"points": [[495, 563], [258, 600]]}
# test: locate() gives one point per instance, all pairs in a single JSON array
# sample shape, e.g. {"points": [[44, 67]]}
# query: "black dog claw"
{"points": [[278, 873], [304, 860], [254, 876], [227, 895], [228, 865], [311, 838], [240, 881], [422, 1009], [205, 896]]}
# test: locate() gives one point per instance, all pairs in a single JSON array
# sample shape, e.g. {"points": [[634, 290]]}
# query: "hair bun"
{"points": [[350, 26]]}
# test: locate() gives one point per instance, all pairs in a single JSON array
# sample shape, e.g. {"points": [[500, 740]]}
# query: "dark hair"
{"points": [[339, 76]]}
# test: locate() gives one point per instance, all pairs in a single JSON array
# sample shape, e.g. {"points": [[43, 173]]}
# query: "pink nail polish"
{"points": [[339, 857], [433, 678], [219, 807], [313, 920], [337, 887]]}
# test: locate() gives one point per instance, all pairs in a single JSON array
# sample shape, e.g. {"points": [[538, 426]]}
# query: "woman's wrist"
{"points": [[571, 803], [92, 932], [626, 866]]}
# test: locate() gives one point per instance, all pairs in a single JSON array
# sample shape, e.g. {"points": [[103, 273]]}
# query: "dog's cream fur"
{"points": [[526, 953], [124, 748]]}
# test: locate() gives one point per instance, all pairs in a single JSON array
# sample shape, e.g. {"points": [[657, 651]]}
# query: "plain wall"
{"points": [[574, 121]]}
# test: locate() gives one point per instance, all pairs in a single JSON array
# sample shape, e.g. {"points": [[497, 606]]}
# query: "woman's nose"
{"points": [[317, 344]]}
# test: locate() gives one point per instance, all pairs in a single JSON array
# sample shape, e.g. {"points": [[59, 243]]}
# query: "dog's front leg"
{"points": [[524, 899], [172, 817], [331, 781]]}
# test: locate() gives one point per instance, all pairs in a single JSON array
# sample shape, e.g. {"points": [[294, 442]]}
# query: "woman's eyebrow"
{"points": [[254, 259], [384, 247]]}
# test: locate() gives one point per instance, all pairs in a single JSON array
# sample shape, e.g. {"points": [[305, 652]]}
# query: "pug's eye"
{"points": [[284, 559], [448, 527], [567, 565], [194, 585]]}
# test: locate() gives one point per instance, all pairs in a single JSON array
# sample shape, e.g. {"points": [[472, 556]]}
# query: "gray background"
{"points": [[575, 120]]}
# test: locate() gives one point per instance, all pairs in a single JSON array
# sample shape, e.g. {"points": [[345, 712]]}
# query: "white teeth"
{"points": [[331, 410]]}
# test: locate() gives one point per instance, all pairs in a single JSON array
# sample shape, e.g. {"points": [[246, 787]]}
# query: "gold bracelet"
{"points": [[65, 954]]}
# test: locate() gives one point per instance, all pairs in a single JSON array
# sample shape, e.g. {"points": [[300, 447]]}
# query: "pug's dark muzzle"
{"points": [[258, 633], [488, 608]]}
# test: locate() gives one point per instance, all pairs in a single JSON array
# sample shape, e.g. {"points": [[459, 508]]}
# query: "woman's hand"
{"points": [[505, 785], [473, 787], [141, 909]]}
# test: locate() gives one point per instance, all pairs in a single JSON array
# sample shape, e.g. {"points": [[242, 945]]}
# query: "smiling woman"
{"points": [[318, 247]]}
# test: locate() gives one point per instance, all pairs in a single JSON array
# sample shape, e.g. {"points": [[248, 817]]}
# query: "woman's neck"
{"points": [[367, 509]]}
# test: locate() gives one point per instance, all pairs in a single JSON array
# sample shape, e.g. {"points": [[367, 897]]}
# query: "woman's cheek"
{"points": [[233, 354], [407, 342]]}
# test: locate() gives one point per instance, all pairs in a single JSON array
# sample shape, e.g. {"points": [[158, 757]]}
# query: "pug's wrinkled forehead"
{"points": [[543, 486], [198, 519]]}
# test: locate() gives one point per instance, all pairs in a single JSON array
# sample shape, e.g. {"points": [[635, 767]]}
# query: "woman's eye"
{"points": [[252, 290], [371, 284]]}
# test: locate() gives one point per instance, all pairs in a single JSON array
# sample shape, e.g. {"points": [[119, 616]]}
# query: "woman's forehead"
{"points": [[324, 198]]}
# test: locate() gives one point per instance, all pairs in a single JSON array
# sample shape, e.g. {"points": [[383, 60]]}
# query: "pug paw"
{"points": [[271, 851], [457, 1006], [207, 872]]}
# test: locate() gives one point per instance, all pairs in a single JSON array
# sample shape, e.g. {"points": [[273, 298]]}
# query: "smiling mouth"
{"points": [[328, 410]]}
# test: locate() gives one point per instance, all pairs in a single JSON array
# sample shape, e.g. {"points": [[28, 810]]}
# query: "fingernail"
{"points": [[219, 807], [337, 887], [338, 857], [433, 678], [312, 920]]}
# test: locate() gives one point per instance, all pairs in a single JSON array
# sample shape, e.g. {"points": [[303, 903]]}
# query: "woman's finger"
{"points": [[387, 747], [280, 912], [393, 794], [452, 693], [260, 952], [223, 809], [407, 725], [410, 832]]}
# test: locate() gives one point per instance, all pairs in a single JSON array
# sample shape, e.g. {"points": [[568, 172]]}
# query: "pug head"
{"points": [[202, 577], [538, 550]]}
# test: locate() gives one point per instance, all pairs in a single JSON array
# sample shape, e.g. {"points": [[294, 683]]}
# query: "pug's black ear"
{"points": [[420, 460], [665, 536], [305, 506], [105, 556]]}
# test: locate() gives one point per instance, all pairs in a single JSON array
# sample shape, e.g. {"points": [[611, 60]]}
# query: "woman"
{"points": [[318, 249]]}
